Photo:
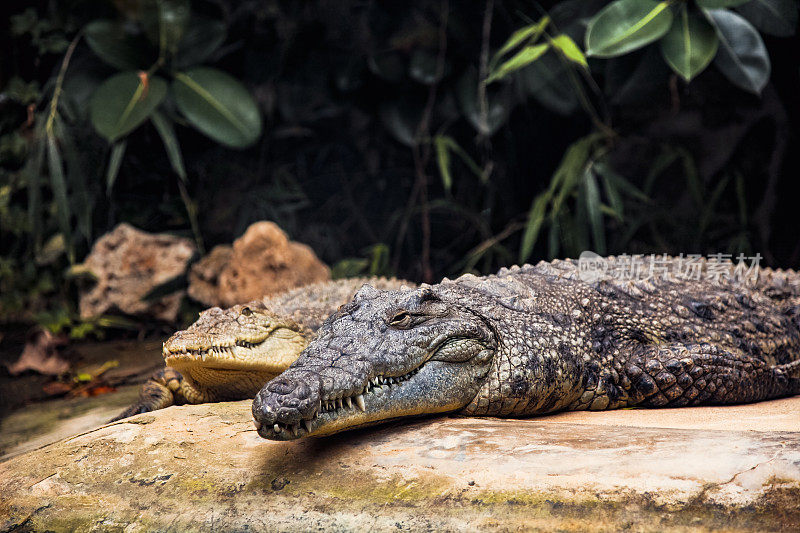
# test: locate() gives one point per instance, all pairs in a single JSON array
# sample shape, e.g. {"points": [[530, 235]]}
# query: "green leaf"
{"points": [[443, 145], [114, 163], [218, 106], [167, 132], [443, 161], [59, 186], [164, 22], [549, 82], [593, 209], [203, 37], [689, 45], [401, 120], [528, 33], [564, 44], [627, 25], [33, 171], [124, 101], [742, 56], [716, 4], [773, 17], [536, 218], [524, 57], [498, 106], [109, 41]]}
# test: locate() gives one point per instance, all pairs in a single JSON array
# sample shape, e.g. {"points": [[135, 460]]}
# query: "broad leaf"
{"points": [[523, 58], [109, 41], [401, 118], [690, 44], [218, 106], [717, 4], [626, 25], [742, 56], [423, 67], [389, 66], [549, 82], [202, 37], [123, 102], [498, 105], [774, 17], [564, 44], [164, 22]]}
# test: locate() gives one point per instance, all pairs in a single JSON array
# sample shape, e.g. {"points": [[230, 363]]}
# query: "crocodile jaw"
{"points": [[434, 387], [273, 354]]}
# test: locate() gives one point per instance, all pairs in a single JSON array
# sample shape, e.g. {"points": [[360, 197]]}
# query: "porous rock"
{"points": [[128, 263], [261, 262]]}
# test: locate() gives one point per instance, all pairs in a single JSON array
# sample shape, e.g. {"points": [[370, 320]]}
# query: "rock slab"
{"points": [[204, 468]]}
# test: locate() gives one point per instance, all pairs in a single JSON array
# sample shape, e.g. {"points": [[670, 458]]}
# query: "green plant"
{"points": [[690, 34]]}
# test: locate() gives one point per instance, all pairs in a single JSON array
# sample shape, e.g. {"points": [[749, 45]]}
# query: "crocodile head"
{"points": [[384, 355], [225, 344]]}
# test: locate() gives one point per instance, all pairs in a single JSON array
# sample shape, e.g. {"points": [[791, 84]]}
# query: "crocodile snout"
{"points": [[283, 404]]}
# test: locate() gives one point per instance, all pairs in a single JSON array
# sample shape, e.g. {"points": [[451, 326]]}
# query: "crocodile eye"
{"points": [[401, 320], [246, 311]]}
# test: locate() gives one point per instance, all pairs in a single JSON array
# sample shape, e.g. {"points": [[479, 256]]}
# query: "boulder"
{"points": [[204, 468], [262, 262], [204, 275], [128, 263]]}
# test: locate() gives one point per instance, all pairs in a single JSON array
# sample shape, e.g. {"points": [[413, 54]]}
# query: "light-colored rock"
{"points": [[263, 262], [204, 468], [128, 263]]}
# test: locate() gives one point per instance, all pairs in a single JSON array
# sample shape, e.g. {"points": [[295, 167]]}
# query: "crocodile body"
{"points": [[229, 354], [539, 339]]}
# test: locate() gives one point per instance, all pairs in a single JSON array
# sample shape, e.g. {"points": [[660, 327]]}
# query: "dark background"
{"points": [[335, 168]]}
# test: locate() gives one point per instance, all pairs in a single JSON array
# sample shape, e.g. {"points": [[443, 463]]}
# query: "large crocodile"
{"points": [[229, 354], [539, 339]]}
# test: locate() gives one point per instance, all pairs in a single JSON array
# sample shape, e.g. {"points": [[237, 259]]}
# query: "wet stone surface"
{"points": [[204, 468]]}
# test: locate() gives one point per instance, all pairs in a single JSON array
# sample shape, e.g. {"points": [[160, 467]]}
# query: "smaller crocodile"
{"points": [[229, 354]]}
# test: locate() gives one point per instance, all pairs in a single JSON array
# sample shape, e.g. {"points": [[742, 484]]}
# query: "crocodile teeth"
{"points": [[348, 402], [360, 402], [295, 427], [277, 428], [307, 425], [339, 403]]}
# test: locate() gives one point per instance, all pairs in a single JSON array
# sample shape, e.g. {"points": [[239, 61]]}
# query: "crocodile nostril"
{"points": [[281, 386]]}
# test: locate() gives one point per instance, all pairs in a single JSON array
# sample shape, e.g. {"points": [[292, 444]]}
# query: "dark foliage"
{"points": [[382, 146]]}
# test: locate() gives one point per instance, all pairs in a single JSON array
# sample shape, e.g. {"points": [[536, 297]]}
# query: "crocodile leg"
{"points": [[696, 374], [164, 388]]}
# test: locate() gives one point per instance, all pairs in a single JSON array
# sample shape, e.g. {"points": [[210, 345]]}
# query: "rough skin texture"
{"points": [[538, 339], [229, 354]]}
